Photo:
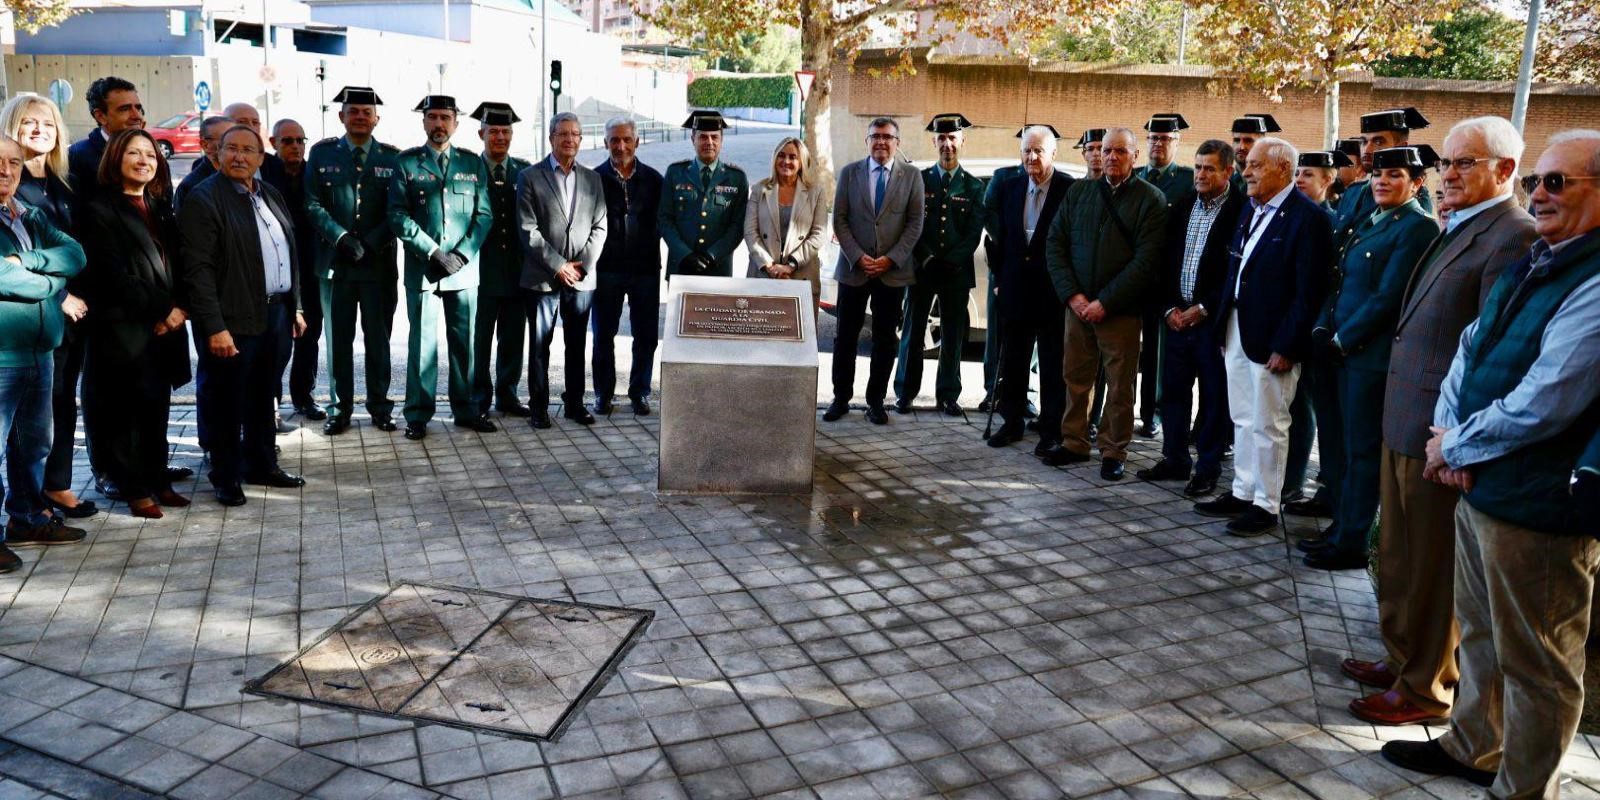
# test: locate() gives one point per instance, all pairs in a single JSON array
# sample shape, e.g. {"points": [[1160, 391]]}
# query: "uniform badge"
{"points": [[382, 172]]}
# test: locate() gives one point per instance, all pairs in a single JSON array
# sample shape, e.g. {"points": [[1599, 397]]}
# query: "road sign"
{"points": [[202, 96], [60, 92], [803, 78]]}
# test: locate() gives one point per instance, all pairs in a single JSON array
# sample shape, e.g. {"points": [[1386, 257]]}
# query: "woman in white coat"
{"points": [[786, 221]]}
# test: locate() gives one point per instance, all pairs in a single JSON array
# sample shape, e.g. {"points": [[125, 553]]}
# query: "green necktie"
{"points": [[946, 178], [361, 159], [499, 173], [705, 178], [444, 161]]}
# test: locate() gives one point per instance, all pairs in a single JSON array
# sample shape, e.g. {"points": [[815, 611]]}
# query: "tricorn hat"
{"points": [[1417, 156], [1090, 137], [948, 123], [1166, 123], [1257, 124], [357, 96], [1393, 119], [437, 102], [1317, 158], [705, 120], [1351, 147], [1045, 125], [495, 114]]}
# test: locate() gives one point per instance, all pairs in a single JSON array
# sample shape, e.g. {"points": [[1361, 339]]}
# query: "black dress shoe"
{"points": [[1200, 485], [1044, 447], [577, 413], [311, 411], [283, 427], [336, 425], [1314, 544], [514, 409], [1111, 469], [179, 473], [1224, 506], [1007, 434], [416, 430], [1311, 507], [951, 408], [83, 510], [108, 488], [1163, 470], [231, 495], [1031, 411], [1253, 522], [876, 415], [836, 410], [902, 406], [986, 405], [1060, 456], [479, 424], [9, 561], [604, 408], [277, 479], [1333, 560], [385, 424], [540, 419], [1431, 759], [641, 406], [1150, 430]]}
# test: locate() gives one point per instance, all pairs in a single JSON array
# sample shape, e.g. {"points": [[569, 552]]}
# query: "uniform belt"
{"points": [[281, 297]]}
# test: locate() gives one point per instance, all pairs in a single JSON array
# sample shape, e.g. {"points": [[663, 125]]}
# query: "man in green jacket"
{"points": [[439, 209], [347, 199], [701, 216], [1104, 255], [953, 224], [500, 306], [36, 259]]}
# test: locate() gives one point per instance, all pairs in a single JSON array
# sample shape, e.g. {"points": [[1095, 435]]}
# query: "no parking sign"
{"points": [[202, 96]]}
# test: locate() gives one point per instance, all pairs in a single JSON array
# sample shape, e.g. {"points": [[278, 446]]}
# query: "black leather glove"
{"points": [[1586, 501], [439, 265], [457, 263], [351, 247], [695, 264]]}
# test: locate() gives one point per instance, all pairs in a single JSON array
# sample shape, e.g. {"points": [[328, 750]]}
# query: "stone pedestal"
{"points": [[738, 387]]}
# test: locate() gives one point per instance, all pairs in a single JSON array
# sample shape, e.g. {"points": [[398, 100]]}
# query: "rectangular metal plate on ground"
{"points": [[468, 658]]}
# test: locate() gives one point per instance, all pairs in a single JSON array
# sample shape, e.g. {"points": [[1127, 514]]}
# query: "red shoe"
{"points": [[1371, 673], [171, 499], [151, 511], [1390, 708]]}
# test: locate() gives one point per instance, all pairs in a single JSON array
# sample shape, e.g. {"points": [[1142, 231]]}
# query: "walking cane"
{"points": [[999, 376]]}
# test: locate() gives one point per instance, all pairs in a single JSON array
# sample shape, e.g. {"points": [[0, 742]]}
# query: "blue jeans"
{"points": [[25, 427]]}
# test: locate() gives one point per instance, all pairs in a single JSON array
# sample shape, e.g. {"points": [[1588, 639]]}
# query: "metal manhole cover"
{"points": [[468, 658]]}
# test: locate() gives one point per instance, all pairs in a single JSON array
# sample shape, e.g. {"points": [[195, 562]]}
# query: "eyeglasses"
{"points": [[1162, 138], [236, 150], [1462, 165], [292, 139], [882, 137], [1554, 182]]}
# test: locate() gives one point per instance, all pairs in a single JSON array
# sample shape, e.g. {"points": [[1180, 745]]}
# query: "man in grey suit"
{"points": [[877, 216], [561, 211], [1416, 553]]}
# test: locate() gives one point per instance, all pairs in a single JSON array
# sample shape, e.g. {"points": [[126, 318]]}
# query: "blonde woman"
{"points": [[786, 221], [35, 122]]}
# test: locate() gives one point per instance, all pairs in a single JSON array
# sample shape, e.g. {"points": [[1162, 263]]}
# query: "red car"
{"points": [[179, 134]]}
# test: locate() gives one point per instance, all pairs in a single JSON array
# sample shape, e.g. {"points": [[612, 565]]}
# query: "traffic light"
{"points": [[555, 78]]}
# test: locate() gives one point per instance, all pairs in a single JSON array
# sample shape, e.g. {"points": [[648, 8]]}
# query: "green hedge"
{"points": [[757, 92]]}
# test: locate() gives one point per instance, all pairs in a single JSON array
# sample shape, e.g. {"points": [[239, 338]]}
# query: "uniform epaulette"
{"points": [[734, 167], [388, 148], [684, 162], [409, 150], [328, 141]]}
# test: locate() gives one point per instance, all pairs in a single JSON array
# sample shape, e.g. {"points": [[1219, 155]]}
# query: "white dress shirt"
{"points": [[1259, 222]]}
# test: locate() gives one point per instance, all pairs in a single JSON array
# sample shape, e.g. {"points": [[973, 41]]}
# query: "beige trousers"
{"points": [[1416, 582], [1113, 343], [1522, 599]]}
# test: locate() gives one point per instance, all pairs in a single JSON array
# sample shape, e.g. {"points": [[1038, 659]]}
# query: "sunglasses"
{"points": [[1554, 182], [292, 139]]}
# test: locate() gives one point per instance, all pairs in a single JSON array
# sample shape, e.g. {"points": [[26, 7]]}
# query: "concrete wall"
{"points": [[999, 94], [166, 85], [130, 31]]}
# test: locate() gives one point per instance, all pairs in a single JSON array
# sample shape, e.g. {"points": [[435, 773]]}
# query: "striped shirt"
{"points": [[1194, 245]]}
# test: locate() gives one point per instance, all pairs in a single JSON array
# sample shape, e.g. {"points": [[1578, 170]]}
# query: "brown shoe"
{"points": [[1390, 708], [9, 561], [53, 531], [1370, 673]]}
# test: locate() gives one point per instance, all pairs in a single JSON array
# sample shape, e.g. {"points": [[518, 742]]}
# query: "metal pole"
{"points": [[1183, 36], [544, 72], [1519, 107], [445, 63]]}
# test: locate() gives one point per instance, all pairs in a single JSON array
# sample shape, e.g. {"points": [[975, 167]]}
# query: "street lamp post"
{"points": [[1519, 106]]}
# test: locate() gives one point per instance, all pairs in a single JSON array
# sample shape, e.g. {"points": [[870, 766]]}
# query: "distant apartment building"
{"points": [[613, 18]]}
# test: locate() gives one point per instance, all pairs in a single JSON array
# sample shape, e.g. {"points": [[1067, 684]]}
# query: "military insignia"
{"points": [[685, 187], [382, 172], [462, 176], [727, 189]]}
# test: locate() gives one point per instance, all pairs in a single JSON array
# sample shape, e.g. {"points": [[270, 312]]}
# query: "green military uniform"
{"points": [[1256, 125], [702, 211], [1175, 182], [500, 303], [1356, 206], [1177, 186], [445, 207], [950, 235], [347, 193]]}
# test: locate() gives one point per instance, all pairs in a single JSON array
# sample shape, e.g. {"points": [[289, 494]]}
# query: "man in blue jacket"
{"points": [[36, 260]]}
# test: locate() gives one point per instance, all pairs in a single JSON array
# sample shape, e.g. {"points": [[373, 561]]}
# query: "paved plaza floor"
{"points": [[938, 618]]}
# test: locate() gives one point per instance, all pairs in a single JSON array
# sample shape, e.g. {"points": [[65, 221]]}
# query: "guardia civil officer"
{"points": [[501, 312], [439, 209], [1246, 131], [952, 226], [702, 205], [347, 201], [1176, 182], [1380, 130]]}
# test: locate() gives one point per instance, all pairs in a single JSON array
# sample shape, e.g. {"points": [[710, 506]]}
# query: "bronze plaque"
{"points": [[739, 316]]}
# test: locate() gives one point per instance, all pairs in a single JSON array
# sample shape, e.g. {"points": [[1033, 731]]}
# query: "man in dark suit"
{"points": [[877, 217], [205, 166], [630, 269], [1277, 271], [289, 139], [561, 211], [1176, 183], [240, 273], [1030, 313], [114, 104], [1195, 264], [1416, 554], [991, 251], [502, 316]]}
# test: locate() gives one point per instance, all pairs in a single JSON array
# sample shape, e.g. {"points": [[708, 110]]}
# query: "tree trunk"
{"points": [[1330, 115], [816, 55]]}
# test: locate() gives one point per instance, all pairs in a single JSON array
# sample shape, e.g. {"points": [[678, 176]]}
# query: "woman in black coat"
{"points": [[137, 349]]}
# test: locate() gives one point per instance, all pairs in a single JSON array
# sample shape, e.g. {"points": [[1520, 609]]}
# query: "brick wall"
{"points": [[999, 94]]}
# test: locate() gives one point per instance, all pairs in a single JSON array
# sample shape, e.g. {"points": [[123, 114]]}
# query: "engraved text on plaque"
{"points": [[736, 316]]}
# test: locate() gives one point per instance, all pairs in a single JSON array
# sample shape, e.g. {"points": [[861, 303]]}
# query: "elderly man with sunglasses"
{"points": [[1516, 412]]}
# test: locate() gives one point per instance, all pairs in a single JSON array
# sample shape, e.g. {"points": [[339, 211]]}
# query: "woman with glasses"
{"points": [[137, 352], [786, 221], [1355, 334], [36, 124]]}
